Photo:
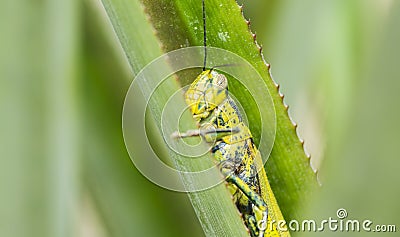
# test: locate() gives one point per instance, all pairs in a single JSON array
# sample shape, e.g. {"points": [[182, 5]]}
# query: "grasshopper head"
{"points": [[206, 93]]}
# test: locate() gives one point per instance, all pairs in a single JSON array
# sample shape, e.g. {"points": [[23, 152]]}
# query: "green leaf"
{"points": [[140, 46], [291, 176], [126, 202], [179, 24]]}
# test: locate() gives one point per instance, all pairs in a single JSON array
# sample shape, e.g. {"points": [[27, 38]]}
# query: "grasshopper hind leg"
{"points": [[253, 227], [257, 215], [256, 222]]}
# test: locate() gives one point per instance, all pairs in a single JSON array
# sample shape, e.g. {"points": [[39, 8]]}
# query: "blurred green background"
{"points": [[64, 168]]}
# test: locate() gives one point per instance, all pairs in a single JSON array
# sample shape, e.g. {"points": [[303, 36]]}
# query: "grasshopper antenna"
{"points": [[204, 36]]}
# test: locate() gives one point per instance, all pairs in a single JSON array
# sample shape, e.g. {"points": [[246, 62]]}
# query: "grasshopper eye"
{"points": [[221, 81]]}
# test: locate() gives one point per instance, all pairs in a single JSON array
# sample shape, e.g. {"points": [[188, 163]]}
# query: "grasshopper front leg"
{"points": [[210, 134]]}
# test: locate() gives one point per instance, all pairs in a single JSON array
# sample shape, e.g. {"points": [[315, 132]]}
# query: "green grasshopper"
{"points": [[239, 160]]}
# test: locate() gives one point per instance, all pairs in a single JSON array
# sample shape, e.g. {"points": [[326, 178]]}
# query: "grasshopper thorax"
{"points": [[206, 93]]}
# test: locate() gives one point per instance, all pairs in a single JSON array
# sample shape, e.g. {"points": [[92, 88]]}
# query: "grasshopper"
{"points": [[221, 123]]}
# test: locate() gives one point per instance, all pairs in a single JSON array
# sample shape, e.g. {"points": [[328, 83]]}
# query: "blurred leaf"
{"points": [[361, 168], [39, 129]]}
